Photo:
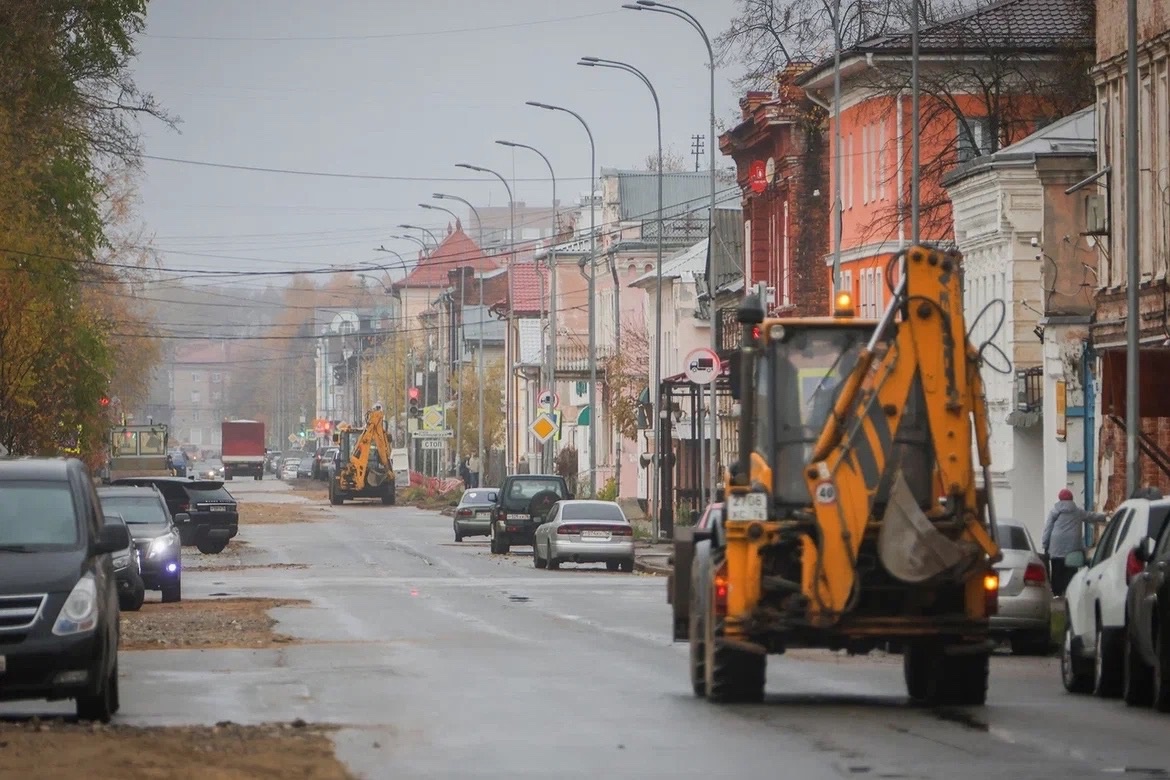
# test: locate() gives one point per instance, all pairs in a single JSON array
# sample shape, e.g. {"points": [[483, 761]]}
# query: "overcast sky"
{"points": [[401, 88]]}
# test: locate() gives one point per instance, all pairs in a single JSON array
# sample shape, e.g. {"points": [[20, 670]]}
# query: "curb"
{"points": [[651, 568]]}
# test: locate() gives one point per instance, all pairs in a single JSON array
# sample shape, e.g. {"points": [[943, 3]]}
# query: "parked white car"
{"points": [[1093, 650]]}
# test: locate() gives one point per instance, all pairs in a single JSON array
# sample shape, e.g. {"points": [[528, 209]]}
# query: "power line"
{"points": [[378, 36]]}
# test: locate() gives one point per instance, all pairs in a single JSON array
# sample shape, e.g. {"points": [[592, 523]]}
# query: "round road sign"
{"points": [[548, 398], [702, 366]]}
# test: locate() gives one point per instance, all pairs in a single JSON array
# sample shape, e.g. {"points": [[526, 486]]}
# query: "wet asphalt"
{"points": [[439, 660]]}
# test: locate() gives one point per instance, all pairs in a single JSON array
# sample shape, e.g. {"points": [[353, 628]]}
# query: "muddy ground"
{"points": [[48, 750], [204, 624], [261, 513]]}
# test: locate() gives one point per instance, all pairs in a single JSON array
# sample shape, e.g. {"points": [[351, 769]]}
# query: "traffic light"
{"points": [[412, 408]]}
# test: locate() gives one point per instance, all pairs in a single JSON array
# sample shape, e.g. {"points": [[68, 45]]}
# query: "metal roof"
{"points": [[1074, 135], [682, 193], [688, 262]]}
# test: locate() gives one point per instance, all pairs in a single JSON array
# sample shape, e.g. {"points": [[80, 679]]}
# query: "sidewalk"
{"points": [[653, 558]]}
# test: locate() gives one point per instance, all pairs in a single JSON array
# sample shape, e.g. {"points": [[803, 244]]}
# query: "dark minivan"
{"points": [[212, 516], [58, 590]]}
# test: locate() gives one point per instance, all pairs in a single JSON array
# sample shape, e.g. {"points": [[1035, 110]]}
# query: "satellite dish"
{"points": [[344, 322]]}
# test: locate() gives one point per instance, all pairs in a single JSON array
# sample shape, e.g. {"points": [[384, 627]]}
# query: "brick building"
{"points": [[786, 226]]}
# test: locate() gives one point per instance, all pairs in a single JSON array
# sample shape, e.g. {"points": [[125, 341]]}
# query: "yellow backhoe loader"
{"points": [[363, 464], [852, 518]]}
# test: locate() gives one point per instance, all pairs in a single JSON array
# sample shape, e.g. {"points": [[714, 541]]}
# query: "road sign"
{"points": [[758, 175], [547, 398], [433, 418], [292, 439], [443, 434], [543, 427], [702, 366], [433, 444]]}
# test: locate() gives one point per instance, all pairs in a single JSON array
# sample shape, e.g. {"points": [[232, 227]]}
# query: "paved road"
{"points": [[444, 661]]}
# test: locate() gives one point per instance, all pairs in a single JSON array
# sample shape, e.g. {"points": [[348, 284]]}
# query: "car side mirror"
{"points": [[111, 539], [494, 497], [182, 517]]}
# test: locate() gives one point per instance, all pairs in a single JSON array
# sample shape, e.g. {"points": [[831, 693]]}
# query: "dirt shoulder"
{"points": [[261, 513], [205, 624], [39, 750]]}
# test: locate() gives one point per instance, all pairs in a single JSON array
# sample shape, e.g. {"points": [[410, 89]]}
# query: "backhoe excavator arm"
{"points": [[359, 456], [853, 453]]}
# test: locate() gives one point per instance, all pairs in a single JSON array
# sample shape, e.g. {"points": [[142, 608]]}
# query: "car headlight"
{"points": [[122, 561], [79, 613], [162, 544]]}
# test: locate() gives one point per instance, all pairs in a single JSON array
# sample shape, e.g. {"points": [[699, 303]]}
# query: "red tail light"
{"points": [[568, 529], [721, 586], [623, 530], [1035, 574], [463, 513], [1133, 567]]}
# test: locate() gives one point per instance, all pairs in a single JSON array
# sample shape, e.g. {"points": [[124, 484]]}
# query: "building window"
{"points": [[980, 144], [216, 396], [194, 396], [194, 415], [216, 378], [194, 376]]}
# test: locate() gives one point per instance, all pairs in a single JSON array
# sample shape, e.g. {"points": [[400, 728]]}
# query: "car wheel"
{"points": [[172, 593], [1138, 681], [611, 565], [102, 704], [211, 546], [1075, 672], [505, 544], [133, 602], [493, 545], [458, 536], [628, 566], [1031, 644], [552, 562], [1162, 669], [537, 561], [1107, 665]]}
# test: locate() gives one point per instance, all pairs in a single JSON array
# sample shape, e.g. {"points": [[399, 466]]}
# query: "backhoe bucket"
{"points": [[911, 548]]}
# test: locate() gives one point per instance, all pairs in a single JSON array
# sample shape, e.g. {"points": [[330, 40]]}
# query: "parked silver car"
{"points": [[585, 532], [1025, 593], [473, 515]]}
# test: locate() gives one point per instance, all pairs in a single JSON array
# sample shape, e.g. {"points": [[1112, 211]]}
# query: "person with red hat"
{"points": [[1064, 534]]}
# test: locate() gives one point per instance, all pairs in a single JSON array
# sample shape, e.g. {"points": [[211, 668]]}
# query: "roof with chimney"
{"points": [[456, 250]]}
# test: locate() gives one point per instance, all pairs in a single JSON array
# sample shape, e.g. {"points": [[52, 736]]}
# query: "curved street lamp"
{"points": [[707, 479], [597, 62], [592, 290], [467, 203], [423, 229]]}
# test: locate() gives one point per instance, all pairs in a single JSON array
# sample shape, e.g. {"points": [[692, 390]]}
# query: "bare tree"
{"points": [[672, 161]]}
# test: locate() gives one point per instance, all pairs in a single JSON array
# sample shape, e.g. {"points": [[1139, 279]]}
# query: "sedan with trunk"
{"points": [[585, 532], [473, 515], [1024, 616]]}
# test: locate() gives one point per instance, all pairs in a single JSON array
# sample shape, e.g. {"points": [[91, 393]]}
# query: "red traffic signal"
{"points": [[413, 393]]}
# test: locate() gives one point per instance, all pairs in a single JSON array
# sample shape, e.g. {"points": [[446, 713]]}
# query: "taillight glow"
{"points": [[1035, 574], [990, 594], [463, 513], [568, 529], [1133, 567], [721, 587]]}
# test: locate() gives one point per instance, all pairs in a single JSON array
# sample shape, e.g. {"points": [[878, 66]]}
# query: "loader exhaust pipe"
{"points": [[749, 315]]}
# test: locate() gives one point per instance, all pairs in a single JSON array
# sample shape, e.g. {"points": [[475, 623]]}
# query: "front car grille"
{"points": [[18, 613]]}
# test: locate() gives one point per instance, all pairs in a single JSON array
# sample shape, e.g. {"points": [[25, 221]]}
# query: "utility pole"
{"points": [[1133, 279], [459, 373], [696, 150]]}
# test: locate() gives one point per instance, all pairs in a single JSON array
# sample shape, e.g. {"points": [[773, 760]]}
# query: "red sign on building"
{"points": [[758, 176]]}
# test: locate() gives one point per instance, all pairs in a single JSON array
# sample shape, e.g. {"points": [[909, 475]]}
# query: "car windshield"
{"points": [[208, 492], [527, 488], [1012, 537], [135, 509], [590, 511], [38, 514]]}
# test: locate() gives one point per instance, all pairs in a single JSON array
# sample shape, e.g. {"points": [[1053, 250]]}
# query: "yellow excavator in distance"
{"points": [[364, 462], [852, 519]]}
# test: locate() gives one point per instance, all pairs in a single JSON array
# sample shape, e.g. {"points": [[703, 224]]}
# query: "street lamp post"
{"points": [[551, 369], [686, 16], [509, 448], [656, 499], [482, 307], [467, 203], [439, 208], [592, 291], [423, 229], [426, 250]]}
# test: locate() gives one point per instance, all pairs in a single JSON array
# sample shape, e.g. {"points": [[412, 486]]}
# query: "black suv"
{"points": [[523, 503], [58, 590], [155, 535], [212, 516]]}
